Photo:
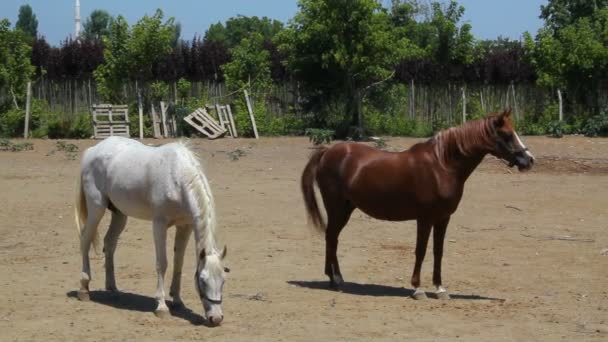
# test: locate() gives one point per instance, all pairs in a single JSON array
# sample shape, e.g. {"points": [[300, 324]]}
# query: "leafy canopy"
{"points": [[131, 53], [27, 22]]}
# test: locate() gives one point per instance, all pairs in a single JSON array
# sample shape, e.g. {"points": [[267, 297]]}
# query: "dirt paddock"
{"points": [[526, 255]]}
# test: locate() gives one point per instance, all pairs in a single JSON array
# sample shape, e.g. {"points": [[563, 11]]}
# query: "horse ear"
{"points": [[507, 112], [224, 251], [202, 254], [499, 121]]}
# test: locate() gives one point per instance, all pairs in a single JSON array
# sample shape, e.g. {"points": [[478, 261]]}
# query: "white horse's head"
{"points": [[209, 282]]}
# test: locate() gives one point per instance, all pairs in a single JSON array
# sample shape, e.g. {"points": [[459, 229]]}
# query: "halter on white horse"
{"points": [[164, 185]]}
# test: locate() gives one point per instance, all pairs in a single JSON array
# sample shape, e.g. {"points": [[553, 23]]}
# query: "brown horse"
{"points": [[424, 183]]}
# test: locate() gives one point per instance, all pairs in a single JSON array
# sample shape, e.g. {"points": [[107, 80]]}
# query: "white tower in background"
{"points": [[77, 20]]}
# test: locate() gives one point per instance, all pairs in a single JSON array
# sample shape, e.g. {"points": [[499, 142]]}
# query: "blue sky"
{"points": [[490, 18]]}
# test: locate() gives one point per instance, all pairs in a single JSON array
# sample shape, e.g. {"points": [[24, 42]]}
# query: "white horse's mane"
{"points": [[201, 190]]}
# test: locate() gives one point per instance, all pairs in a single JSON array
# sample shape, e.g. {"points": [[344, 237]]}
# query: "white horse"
{"points": [[164, 185]]}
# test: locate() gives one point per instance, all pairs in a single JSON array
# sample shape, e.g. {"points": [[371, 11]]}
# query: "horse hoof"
{"points": [[443, 295], [83, 295], [162, 313], [419, 295], [336, 282]]}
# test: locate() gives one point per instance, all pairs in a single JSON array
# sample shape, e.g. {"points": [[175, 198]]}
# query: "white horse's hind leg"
{"points": [[94, 215], [117, 225], [182, 236], [160, 242]]}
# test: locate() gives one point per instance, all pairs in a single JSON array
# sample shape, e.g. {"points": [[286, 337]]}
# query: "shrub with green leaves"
{"points": [[319, 136], [597, 125], [183, 88], [7, 145], [159, 91], [82, 127], [12, 122], [556, 129]]}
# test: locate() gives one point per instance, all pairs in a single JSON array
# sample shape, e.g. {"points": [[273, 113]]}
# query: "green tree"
{"points": [[240, 27], [177, 32], [112, 74], [216, 33], [339, 49], [440, 33], [560, 13], [150, 40], [97, 25], [15, 65], [249, 66], [130, 54], [27, 21], [570, 51]]}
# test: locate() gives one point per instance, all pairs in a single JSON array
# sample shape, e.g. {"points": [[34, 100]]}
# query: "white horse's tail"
{"points": [[80, 213]]}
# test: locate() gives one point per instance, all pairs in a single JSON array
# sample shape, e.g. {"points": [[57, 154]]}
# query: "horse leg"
{"points": [[338, 214], [94, 215], [117, 225], [182, 236], [439, 230], [422, 239], [160, 241]]}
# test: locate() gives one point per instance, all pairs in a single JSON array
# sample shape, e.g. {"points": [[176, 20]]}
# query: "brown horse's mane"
{"points": [[464, 140]]}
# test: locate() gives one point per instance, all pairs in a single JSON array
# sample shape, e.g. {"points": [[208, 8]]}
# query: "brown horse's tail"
{"points": [[308, 189]]}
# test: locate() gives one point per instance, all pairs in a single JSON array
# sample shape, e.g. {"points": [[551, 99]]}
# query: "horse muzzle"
{"points": [[523, 161], [215, 320]]}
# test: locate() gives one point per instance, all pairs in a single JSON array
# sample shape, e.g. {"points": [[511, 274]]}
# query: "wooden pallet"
{"points": [[205, 123], [109, 120], [224, 114]]}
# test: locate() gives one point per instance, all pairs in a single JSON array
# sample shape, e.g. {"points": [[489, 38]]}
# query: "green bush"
{"points": [[7, 145], [474, 109], [529, 127], [319, 136], [57, 128], [82, 127], [183, 88], [292, 125], [557, 129], [134, 125], [597, 125], [422, 129], [12, 123], [439, 123], [399, 125], [159, 91]]}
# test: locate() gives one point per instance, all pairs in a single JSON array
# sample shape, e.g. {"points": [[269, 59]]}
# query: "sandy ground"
{"points": [[525, 258]]}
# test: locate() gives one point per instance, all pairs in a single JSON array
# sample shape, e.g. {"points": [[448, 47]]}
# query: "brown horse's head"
{"points": [[508, 145]]}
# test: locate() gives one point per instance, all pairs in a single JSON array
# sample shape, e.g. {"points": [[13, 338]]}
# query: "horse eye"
{"points": [[509, 137]]}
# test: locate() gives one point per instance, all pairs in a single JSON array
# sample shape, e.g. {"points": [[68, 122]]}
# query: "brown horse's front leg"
{"points": [[422, 239], [439, 230], [332, 267]]}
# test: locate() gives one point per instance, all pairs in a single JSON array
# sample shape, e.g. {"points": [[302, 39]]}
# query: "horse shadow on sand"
{"points": [[376, 290], [137, 302]]}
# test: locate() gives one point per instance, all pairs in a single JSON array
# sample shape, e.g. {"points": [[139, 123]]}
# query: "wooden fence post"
{"points": [[559, 97], [141, 116], [255, 129], [514, 101], [163, 117], [412, 101], [464, 106], [27, 110]]}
